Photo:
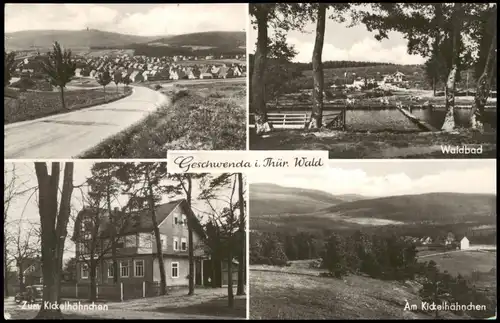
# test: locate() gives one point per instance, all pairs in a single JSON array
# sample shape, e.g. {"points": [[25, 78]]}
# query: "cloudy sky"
{"points": [[392, 177], [134, 19], [344, 43], [24, 208]]}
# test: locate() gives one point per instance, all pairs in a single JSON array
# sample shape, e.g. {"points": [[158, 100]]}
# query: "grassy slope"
{"points": [[298, 293], [465, 262], [377, 145], [207, 117], [439, 207], [34, 105], [274, 199]]}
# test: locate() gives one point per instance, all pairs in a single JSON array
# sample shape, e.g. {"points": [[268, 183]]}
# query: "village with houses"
{"points": [[138, 69]]}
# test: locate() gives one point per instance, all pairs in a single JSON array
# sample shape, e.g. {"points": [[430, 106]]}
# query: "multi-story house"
{"points": [[136, 246]]}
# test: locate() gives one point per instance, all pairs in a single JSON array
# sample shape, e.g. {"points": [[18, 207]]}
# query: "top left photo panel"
{"points": [[123, 81]]}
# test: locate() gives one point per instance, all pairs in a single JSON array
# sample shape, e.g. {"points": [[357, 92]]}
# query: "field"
{"points": [[297, 292], [22, 106], [465, 262], [205, 116]]}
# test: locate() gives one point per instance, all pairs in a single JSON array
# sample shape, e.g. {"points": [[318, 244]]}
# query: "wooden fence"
{"points": [[283, 120], [112, 292], [299, 120]]}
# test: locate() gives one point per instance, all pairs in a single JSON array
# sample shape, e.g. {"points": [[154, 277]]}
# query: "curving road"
{"points": [[69, 135]]}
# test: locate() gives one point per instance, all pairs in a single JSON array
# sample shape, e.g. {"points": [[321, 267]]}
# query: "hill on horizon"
{"points": [[268, 199], [43, 39], [294, 209]]}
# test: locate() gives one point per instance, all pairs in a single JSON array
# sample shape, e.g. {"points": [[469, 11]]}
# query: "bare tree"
{"points": [[25, 247], [12, 188], [224, 220], [53, 220]]}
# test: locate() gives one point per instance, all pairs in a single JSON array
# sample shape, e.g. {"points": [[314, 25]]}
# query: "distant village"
{"points": [[448, 242], [354, 82], [142, 68]]}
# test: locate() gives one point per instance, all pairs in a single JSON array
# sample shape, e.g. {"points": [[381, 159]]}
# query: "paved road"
{"points": [[69, 135]]}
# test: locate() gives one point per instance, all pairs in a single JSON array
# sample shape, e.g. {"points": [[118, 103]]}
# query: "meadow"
{"points": [[298, 292], [29, 105], [464, 262], [197, 117]]}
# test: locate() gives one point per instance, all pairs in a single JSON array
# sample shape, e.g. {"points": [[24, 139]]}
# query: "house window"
{"points": [[85, 271], [176, 244], [175, 270], [124, 268], [183, 244], [176, 219], [111, 270], [139, 268]]}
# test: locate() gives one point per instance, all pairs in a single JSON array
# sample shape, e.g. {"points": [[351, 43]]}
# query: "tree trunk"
{"points": [[214, 273], [190, 237], [434, 86], [318, 77], [258, 100], [5, 267], [112, 218], [62, 98], [156, 230], [230, 296], [240, 290], [104, 92], [53, 231], [93, 283], [483, 87], [20, 276], [449, 119]]}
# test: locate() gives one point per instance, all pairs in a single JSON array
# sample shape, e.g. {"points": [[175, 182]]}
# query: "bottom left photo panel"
{"points": [[123, 240]]}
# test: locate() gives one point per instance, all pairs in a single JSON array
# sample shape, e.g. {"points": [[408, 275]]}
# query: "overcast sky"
{"points": [[134, 19], [344, 43], [393, 177], [25, 207]]}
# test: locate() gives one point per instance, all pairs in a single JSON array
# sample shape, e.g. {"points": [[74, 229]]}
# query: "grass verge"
{"points": [[199, 117], [33, 105]]}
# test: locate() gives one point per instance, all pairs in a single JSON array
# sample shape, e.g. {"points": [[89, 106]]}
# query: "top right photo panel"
{"points": [[374, 80]]}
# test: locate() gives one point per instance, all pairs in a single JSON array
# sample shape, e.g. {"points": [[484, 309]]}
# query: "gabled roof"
{"points": [[142, 221]]}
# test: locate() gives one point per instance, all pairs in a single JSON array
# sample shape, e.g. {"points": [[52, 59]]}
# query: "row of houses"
{"points": [[138, 68], [173, 72]]}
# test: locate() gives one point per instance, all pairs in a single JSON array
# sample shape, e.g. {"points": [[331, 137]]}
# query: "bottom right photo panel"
{"points": [[375, 239]]}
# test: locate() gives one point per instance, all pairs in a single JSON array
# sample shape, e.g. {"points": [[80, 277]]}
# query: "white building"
{"points": [[464, 243]]}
